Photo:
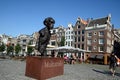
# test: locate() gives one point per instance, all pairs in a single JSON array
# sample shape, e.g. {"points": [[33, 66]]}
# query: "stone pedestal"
{"points": [[44, 68]]}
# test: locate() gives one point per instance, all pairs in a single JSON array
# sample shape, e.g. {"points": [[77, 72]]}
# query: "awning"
{"points": [[48, 46], [99, 56], [92, 56], [67, 49], [96, 56]]}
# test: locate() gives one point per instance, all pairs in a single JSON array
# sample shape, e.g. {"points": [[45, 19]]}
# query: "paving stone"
{"points": [[15, 70]]}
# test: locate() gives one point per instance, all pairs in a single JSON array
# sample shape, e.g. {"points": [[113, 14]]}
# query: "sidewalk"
{"points": [[15, 70]]}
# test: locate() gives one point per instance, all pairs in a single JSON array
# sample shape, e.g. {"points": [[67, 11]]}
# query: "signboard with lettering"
{"points": [[44, 68]]}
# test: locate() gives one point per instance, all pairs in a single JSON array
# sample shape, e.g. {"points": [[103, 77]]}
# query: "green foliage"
{"points": [[10, 49], [17, 48], [29, 50], [30, 42], [2, 47]]}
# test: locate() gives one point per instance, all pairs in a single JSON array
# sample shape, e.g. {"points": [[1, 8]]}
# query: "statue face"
{"points": [[49, 22], [51, 26]]}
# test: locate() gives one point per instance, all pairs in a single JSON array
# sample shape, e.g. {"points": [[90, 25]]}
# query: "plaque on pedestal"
{"points": [[42, 68]]}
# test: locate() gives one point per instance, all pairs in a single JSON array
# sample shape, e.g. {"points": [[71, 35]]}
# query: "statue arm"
{"points": [[43, 36]]}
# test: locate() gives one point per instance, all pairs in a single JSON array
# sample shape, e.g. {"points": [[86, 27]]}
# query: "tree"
{"points": [[2, 47], [30, 42], [10, 49], [62, 43], [17, 48], [29, 50]]}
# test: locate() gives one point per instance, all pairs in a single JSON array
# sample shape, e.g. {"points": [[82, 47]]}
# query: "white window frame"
{"points": [[89, 34], [101, 34], [101, 41]]}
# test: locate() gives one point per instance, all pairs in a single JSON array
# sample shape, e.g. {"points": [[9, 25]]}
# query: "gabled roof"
{"points": [[99, 21]]}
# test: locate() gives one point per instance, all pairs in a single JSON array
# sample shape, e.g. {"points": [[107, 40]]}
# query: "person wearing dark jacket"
{"points": [[112, 65]]}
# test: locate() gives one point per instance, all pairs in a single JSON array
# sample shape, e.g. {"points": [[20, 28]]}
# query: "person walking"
{"points": [[112, 65]]}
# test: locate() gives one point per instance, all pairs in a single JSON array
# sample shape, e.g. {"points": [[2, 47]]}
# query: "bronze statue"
{"points": [[44, 35]]}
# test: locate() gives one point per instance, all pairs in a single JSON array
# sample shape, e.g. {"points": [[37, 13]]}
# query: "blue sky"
{"points": [[26, 16]]}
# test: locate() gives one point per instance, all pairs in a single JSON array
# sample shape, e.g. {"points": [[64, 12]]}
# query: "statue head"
{"points": [[49, 22]]}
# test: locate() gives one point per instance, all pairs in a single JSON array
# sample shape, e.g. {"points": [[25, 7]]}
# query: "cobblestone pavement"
{"points": [[12, 70], [15, 70], [87, 72]]}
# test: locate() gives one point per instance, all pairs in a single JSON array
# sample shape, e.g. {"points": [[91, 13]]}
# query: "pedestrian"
{"points": [[112, 65]]}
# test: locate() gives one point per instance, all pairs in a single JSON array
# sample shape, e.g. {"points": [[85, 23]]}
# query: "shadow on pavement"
{"points": [[106, 72], [103, 72]]}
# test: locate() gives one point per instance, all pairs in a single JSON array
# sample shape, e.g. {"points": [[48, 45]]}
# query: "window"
{"points": [[82, 46], [82, 38], [89, 41], [75, 32], [78, 32], [53, 43], [79, 26], [24, 45], [24, 40], [60, 34], [71, 43], [23, 50], [83, 31], [101, 48], [69, 37], [69, 32], [79, 39], [101, 41], [75, 39], [75, 45], [68, 43], [90, 34], [101, 33], [89, 48], [78, 45]]}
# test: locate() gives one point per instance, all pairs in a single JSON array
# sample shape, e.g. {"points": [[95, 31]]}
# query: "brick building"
{"points": [[99, 38], [79, 31], [79, 36]]}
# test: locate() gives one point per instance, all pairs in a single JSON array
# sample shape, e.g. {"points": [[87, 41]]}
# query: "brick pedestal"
{"points": [[44, 68]]}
